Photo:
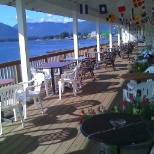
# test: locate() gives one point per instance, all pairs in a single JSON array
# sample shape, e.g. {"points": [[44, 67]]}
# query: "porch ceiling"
{"points": [[65, 8]]}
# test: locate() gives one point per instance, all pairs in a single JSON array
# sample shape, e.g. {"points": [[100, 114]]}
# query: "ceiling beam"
{"points": [[5, 1]]}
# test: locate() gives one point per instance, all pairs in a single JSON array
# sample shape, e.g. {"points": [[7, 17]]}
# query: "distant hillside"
{"points": [[49, 28], [7, 31]]}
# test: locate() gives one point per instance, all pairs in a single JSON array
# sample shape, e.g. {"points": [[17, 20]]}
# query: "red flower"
{"points": [[80, 119], [99, 109], [145, 100], [93, 112], [124, 103], [82, 111], [131, 97]]}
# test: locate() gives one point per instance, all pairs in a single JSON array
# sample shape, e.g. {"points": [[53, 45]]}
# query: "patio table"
{"points": [[52, 66], [73, 59], [118, 129], [4, 82], [138, 76]]}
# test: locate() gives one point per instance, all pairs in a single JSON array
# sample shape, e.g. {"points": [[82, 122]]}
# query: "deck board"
{"points": [[57, 131]]}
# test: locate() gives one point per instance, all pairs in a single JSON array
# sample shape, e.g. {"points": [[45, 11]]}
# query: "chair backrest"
{"points": [[144, 89], [33, 70], [150, 69], [70, 75], [47, 73], [38, 79], [76, 71], [8, 95]]}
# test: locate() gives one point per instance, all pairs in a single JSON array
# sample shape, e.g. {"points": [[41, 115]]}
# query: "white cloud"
{"points": [[48, 18], [30, 19], [44, 17], [56, 18]]}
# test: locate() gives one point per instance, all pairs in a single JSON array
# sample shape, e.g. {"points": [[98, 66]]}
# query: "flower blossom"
{"points": [[145, 100], [82, 111], [124, 103], [99, 109], [80, 119]]}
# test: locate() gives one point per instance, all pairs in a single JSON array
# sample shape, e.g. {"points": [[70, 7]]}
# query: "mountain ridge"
{"points": [[41, 29]]}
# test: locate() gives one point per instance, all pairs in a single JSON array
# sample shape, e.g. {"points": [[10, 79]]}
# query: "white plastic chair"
{"points": [[75, 69], [32, 91], [47, 77], [145, 88], [9, 102], [133, 83], [70, 77]]}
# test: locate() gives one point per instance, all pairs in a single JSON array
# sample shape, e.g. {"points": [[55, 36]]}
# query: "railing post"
{"points": [[18, 74]]}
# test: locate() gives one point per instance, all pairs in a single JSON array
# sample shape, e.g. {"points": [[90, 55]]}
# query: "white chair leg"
{"points": [[55, 83], [74, 88], [46, 87], [15, 114], [21, 117], [60, 89], [34, 98], [40, 103], [0, 124], [24, 110], [80, 85]]}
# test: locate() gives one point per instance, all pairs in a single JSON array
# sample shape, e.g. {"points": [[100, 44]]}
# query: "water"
{"points": [[9, 51]]}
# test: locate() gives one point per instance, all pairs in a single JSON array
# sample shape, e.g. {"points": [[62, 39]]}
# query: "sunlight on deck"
{"points": [[57, 130]]}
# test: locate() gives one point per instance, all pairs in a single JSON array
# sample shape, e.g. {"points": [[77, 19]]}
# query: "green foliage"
{"points": [[138, 106], [139, 67], [64, 35], [105, 33]]}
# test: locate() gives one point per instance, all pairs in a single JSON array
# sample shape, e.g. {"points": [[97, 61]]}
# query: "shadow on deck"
{"points": [[57, 131]]}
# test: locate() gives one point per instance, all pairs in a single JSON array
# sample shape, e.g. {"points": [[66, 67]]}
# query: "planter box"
{"points": [[141, 148]]}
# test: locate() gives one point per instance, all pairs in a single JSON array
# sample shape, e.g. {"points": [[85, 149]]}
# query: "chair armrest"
{"points": [[30, 81], [126, 94], [40, 71], [33, 86], [68, 71], [69, 74]]}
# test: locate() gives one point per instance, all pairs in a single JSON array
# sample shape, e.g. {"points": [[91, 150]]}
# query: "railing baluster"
{"points": [[13, 69]]}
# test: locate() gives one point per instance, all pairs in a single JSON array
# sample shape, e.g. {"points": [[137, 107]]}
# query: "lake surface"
{"points": [[9, 51]]}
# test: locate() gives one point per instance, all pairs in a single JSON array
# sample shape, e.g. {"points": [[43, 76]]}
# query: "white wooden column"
{"points": [[110, 35], [22, 31], [126, 35], [123, 35], [75, 35], [98, 37], [129, 32], [118, 35]]}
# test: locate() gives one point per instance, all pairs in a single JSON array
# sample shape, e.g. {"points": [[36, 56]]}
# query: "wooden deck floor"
{"points": [[57, 130]]}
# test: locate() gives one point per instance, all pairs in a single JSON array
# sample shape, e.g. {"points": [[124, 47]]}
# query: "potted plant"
{"points": [[143, 107]]}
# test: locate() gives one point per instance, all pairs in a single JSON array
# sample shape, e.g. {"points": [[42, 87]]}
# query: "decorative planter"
{"points": [[141, 148]]}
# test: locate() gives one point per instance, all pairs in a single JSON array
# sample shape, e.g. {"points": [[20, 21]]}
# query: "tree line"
{"points": [[63, 35]]}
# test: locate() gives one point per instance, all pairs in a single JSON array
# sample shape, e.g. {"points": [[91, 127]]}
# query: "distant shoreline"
{"points": [[40, 39]]}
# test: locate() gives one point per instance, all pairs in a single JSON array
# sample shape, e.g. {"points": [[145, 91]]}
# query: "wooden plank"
{"points": [[58, 131]]}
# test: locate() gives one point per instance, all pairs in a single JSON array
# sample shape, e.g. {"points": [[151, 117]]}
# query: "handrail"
{"points": [[13, 70]]}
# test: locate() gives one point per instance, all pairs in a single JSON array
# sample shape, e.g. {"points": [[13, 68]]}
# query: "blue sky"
{"points": [[8, 16]]}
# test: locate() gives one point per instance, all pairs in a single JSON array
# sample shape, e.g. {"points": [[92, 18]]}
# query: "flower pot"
{"points": [[141, 148]]}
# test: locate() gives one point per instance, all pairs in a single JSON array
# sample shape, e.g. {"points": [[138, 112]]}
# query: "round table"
{"points": [[138, 76], [4, 82], [99, 128]]}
